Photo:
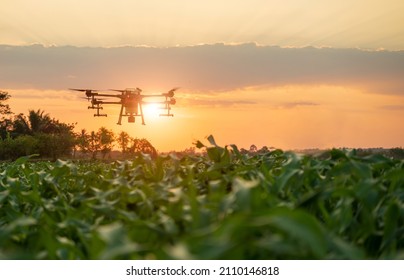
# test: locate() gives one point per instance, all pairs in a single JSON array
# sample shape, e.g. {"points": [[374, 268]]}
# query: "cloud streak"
{"points": [[204, 68], [291, 105], [393, 107]]}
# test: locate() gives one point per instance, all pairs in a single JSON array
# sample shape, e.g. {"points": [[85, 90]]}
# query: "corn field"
{"points": [[219, 205]]}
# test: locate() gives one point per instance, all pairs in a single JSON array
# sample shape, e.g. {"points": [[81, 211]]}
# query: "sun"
{"points": [[152, 110]]}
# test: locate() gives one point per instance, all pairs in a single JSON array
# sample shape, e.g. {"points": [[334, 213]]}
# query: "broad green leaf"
{"points": [[211, 140], [298, 225], [391, 220]]}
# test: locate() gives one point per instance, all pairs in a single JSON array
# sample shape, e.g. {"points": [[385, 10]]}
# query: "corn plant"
{"points": [[220, 205]]}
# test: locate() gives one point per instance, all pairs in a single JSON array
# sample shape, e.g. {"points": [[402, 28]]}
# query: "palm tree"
{"points": [[106, 139], [123, 141], [36, 122], [40, 122]]}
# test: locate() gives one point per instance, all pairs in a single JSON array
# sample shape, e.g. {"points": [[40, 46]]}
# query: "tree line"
{"points": [[38, 133]]}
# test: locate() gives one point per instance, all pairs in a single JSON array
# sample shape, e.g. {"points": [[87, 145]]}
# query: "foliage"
{"points": [[38, 122], [82, 143], [134, 146], [123, 139], [139, 146], [14, 148], [106, 140], [396, 153], [4, 108], [36, 133], [96, 142], [221, 205], [45, 145]]}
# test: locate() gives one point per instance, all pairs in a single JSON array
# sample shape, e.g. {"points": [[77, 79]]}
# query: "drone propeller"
{"points": [[138, 90], [170, 93], [89, 92], [84, 90], [119, 90]]}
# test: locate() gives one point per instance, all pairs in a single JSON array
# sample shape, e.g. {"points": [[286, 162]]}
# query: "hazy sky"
{"points": [[289, 74], [335, 23]]}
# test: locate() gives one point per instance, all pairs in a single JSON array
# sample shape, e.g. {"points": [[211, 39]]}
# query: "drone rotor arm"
{"points": [[109, 95]]}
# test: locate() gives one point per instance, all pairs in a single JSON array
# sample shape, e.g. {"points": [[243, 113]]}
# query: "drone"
{"points": [[131, 101]]}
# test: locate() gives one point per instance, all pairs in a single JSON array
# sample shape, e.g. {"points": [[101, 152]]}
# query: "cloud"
{"points": [[26, 94], [219, 103], [393, 107], [291, 105], [205, 68]]}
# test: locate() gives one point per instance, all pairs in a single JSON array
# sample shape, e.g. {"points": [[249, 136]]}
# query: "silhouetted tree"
{"points": [[142, 146], [4, 108], [5, 122], [397, 153], [6, 126], [123, 139], [253, 148], [106, 139], [93, 144], [264, 150], [35, 122], [82, 141], [101, 141]]}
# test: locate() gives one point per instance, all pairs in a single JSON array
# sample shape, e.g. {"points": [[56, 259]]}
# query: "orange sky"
{"points": [[336, 23], [322, 117], [289, 74]]}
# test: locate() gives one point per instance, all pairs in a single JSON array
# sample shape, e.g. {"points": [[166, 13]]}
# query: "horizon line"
{"points": [[226, 44]]}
